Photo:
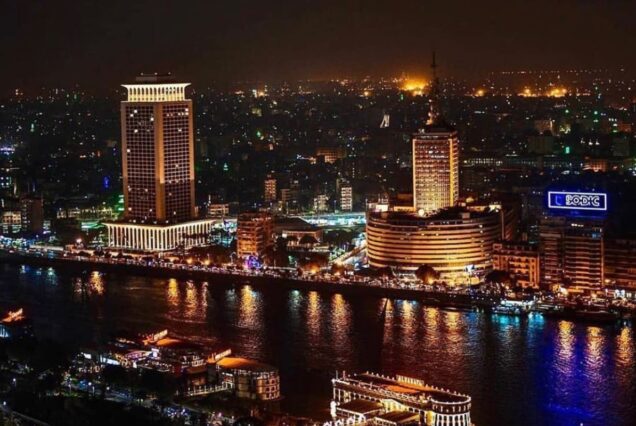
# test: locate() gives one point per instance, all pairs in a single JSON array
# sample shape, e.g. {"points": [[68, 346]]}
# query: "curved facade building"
{"points": [[458, 244]]}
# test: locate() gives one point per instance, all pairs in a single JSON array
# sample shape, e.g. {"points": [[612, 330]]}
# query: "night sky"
{"points": [[100, 44]]}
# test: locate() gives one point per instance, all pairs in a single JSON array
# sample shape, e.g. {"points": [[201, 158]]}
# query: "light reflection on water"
{"points": [[519, 371]]}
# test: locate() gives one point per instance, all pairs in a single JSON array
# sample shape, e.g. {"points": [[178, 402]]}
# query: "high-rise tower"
{"points": [[157, 151], [158, 169], [435, 159]]}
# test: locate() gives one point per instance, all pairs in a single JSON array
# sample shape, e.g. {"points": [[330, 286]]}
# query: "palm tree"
{"points": [[427, 274]]}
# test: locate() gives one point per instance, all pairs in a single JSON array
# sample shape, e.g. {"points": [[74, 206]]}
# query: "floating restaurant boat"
{"points": [[585, 314], [397, 400], [15, 324], [513, 307]]}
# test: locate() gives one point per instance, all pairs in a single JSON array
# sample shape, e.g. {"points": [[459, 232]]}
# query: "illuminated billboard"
{"points": [[570, 200]]}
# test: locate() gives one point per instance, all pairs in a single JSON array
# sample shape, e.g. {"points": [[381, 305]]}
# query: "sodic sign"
{"points": [[591, 201]]}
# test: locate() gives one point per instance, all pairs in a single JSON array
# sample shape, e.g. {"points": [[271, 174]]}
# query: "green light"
{"points": [[567, 150], [259, 134], [595, 112], [225, 167], [567, 111]]}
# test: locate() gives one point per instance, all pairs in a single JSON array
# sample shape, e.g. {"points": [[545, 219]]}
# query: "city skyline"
{"points": [[283, 213]]}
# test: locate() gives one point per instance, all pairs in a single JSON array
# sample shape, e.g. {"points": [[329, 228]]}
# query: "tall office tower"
{"points": [[269, 189], [435, 160], [157, 151], [158, 169]]}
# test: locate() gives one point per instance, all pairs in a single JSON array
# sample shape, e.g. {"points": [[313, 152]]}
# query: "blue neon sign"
{"points": [[569, 200]]}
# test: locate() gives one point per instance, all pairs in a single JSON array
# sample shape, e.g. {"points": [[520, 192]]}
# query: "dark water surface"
{"points": [[519, 371]]}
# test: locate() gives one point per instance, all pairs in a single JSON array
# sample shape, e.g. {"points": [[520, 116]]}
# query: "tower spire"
{"points": [[433, 114]]}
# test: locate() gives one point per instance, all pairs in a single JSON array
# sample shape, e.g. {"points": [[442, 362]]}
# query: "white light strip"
{"points": [[156, 92]]}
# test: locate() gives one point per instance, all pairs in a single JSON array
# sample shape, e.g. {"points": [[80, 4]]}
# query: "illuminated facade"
{"points": [[456, 243], [435, 160], [157, 151], [253, 234], [520, 260], [270, 189], [370, 398], [346, 198], [435, 169], [572, 251], [150, 237]]}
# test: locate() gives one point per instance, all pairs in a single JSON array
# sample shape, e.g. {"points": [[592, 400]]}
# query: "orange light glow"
{"points": [[557, 92], [527, 93], [480, 92], [13, 316], [415, 86]]}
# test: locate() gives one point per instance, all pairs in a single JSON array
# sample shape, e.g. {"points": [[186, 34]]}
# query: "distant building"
{"points": [[32, 214], [346, 197], [521, 260], [218, 210], [331, 153], [10, 221], [270, 189], [542, 145], [253, 234], [321, 203], [544, 125], [290, 197]]}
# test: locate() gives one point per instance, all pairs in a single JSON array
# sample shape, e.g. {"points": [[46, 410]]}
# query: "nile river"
{"points": [[519, 371]]}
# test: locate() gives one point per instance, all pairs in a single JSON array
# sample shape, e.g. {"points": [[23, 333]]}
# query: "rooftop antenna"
{"points": [[433, 114]]}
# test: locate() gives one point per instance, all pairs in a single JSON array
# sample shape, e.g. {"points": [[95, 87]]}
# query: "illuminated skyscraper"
{"points": [[158, 169], [158, 151], [435, 161]]}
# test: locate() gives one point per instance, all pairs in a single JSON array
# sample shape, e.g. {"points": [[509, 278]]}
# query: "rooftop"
{"points": [[412, 388], [360, 406], [236, 363]]}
